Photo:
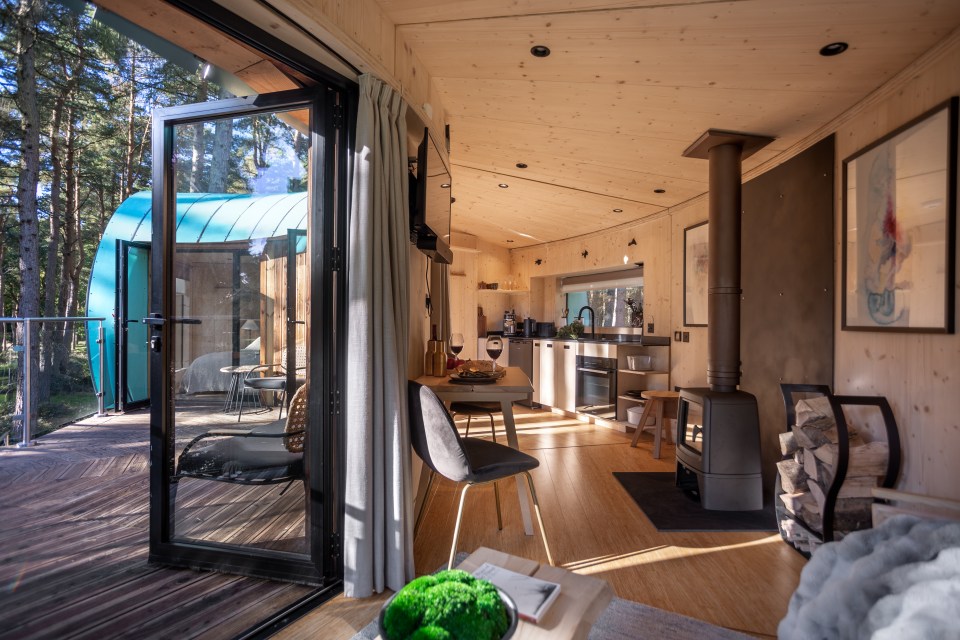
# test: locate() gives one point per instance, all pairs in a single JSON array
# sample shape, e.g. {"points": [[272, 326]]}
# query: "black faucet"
{"points": [[593, 315]]}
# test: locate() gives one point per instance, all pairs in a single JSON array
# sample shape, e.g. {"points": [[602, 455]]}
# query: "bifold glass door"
{"points": [[244, 445]]}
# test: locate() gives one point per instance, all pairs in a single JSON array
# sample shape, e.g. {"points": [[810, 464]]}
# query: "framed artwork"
{"points": [[899, 228], [696, 244]]}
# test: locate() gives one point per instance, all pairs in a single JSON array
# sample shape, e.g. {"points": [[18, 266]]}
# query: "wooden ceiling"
{"points": [[601, 123]]}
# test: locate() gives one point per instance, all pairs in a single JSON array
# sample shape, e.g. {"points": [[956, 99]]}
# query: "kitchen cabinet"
{"points": [[536, 371], [657, 377], [547, 373], [565, 375]]}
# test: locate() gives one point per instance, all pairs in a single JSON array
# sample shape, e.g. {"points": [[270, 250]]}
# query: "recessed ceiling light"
{"points": [[445, 185], [503, 185], [618, 210], [540, 51], [659, 190], [834, 49], [521, 165]]}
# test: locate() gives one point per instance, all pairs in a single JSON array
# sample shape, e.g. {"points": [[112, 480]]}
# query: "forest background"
{"points": [[76, 99]]}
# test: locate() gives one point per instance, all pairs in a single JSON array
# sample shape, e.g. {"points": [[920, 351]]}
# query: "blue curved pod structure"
{"points": [[202, 218]]}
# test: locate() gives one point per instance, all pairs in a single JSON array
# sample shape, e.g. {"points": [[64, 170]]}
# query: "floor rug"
{"points": [[670, 508]]}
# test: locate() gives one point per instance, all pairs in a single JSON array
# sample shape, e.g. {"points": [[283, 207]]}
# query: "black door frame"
{"points": [[120, 329], [330, 142]]}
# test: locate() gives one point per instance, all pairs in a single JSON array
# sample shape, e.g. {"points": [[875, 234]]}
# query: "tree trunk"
{"points": [[131, 112], [220, 156], [26, 100], [51, 281], [197, 159]]}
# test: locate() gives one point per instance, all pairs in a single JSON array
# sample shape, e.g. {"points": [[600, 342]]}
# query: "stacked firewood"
{"points": [[807, 472]]}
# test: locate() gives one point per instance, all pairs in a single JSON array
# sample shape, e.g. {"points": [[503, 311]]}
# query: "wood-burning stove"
{"points": [[718, 443], [718, 449]]}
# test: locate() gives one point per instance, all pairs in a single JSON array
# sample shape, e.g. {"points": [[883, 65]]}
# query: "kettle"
{"points": [[529, 328]]}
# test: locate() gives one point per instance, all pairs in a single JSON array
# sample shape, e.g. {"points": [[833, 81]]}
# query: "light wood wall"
{"points": [[918, 373]]}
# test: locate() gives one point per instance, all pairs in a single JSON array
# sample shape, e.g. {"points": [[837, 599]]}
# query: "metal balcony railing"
{"points": [[26, 418]]}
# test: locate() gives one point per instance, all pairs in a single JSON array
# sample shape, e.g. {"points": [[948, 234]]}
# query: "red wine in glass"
{"points": [[494, 349]]}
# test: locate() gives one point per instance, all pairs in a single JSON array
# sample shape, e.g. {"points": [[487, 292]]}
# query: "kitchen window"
{"points": [[616, 297]]}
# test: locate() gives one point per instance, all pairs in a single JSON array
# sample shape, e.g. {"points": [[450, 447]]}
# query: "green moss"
{"points": [[451, 604]]}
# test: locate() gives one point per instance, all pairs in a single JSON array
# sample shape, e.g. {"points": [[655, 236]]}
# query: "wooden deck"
{"points": [[74, 535]]}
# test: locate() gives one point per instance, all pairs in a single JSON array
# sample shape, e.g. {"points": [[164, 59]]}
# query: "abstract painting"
{"points": [[696, 244], [899, 216]]}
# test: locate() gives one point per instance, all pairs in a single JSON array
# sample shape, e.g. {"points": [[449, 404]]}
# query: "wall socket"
{"points": [[649, 327], [686, 336], [677, 337]]}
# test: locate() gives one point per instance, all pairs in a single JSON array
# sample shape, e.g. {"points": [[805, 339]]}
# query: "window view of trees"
{"points": [[619, 307], [75, 123]]}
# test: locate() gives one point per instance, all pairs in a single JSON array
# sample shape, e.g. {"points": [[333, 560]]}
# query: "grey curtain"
{"points": [[378, 529]]}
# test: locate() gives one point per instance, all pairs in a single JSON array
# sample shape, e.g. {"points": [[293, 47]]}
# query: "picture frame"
{"points": [[899, 228], [696, 246]]}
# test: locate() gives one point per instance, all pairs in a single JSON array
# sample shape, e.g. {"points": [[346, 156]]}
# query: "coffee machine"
{"points": [[509, 323]]}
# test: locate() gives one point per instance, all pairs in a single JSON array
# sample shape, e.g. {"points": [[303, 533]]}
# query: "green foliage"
{"points": [[571, 331], [450, 604]]}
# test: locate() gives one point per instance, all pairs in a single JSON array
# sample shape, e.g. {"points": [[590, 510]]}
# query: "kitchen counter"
{"points": [[642, 341]]}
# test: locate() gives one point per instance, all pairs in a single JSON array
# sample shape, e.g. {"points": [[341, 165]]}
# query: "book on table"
{"points": [[532, 596]]}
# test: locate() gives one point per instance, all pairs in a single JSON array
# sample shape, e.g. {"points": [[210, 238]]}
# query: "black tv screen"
{"points": [[430, 202]]}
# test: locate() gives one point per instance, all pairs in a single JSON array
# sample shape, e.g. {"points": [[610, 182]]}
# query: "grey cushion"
{"points": [[492, 461], [258, 458]]}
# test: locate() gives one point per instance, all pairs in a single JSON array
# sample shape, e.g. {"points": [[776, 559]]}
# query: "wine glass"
{"points": [[456, 344], [494, 349]]}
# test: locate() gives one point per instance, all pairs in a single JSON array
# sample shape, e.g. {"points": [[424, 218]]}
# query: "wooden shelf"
{"points": [[649, 372], [503, 290]]}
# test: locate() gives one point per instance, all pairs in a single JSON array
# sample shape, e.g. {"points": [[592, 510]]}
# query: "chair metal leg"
{"points": [[496, 496], [456, 529], [423, 505], [467, 432], [493, 429], [536, 508]]}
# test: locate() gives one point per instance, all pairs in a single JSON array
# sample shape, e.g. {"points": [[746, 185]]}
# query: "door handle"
{"points": [[605, 372]]}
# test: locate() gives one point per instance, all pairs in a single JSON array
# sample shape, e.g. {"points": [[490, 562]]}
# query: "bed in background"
{"points": [[203, 375]]}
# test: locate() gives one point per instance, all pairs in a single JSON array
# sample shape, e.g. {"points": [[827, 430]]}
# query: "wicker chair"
{"points": [[268, 454]]}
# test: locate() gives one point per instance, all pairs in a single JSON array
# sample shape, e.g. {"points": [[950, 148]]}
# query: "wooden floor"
{"points": [[73, 542], [74, 535], [741, 581]]}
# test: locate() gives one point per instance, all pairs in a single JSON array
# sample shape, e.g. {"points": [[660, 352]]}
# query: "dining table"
{"points": [[512, 386]]}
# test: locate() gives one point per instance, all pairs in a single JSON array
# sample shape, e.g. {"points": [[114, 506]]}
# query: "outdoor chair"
{"points": [[267, 454], [469, 460], [256, 381]]}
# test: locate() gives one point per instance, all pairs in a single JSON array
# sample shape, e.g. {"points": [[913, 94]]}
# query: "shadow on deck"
{"points": [[74, 544]]}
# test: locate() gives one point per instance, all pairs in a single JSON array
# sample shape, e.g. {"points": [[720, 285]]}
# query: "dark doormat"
{"points": [[670, 508]]}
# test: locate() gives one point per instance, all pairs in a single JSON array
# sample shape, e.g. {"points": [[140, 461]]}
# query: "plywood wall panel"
{"points": [[918, 374]]}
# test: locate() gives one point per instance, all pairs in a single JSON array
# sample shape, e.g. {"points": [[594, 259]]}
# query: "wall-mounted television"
{"points": [[430, 202]]}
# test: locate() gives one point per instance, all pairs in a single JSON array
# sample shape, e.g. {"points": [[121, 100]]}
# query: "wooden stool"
{"points": [[664, 405]]}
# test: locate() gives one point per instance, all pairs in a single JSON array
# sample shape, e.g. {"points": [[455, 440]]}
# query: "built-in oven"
{"points": [[597, 385]]}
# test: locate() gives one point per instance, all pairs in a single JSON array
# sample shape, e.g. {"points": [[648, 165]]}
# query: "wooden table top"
{"points": [[655, 394], [513, 381], [581, 601]]}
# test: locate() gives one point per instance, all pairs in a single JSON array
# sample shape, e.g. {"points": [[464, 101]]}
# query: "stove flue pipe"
{"points": [[725, 151], [723, 295]]}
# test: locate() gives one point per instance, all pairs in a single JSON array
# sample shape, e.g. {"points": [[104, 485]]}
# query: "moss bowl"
{"points": [[508, 604]]}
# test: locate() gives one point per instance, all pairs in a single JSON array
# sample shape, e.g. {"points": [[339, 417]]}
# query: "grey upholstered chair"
{"points": [[468, 460]]}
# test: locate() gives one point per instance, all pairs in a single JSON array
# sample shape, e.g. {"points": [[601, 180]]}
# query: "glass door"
{"points": [[244, 447], [133, 304]]}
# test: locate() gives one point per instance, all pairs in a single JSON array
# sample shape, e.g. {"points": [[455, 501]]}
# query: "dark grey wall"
{"points": [[787, 277]]}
